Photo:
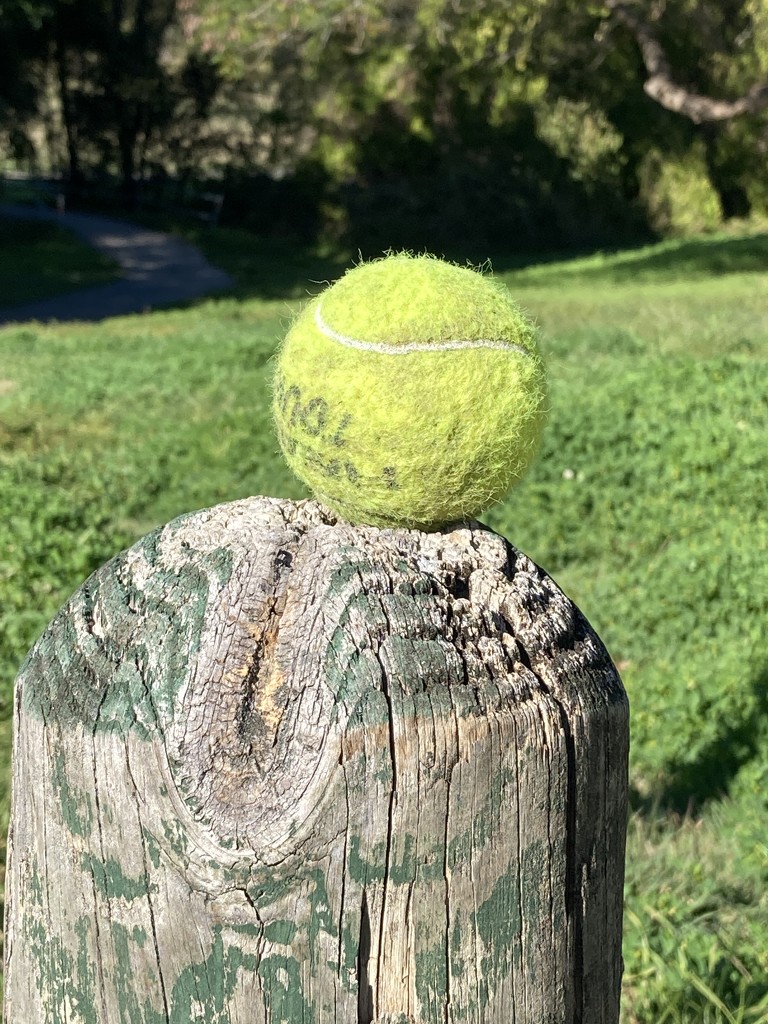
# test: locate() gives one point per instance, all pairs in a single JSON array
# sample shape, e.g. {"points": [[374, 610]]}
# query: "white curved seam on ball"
{"points": [[413, 346]]}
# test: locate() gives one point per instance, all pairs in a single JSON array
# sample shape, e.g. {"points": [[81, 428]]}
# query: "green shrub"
{"points": [[677, 192]]}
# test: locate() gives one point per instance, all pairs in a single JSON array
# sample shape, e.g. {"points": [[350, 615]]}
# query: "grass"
{"points": [[648, 505], [695, 937], [40, 260]]}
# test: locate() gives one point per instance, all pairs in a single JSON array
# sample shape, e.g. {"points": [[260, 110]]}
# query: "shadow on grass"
{"points": [[265, 268], [283, 268], [667, 260], [39, 259], [689, 785]]}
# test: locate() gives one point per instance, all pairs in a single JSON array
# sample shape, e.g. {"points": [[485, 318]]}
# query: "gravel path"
{"points": [[158, 270]]}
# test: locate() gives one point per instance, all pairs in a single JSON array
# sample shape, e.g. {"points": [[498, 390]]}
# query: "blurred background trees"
{"points": [[535, 123]]}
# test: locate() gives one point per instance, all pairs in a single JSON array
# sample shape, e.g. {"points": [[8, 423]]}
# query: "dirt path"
{"points": [[158, 270]]}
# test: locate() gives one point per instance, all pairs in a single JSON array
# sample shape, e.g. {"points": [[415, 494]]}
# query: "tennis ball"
{"points": [[410, 393]]}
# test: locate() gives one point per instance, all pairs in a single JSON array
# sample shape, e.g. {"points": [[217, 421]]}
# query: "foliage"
{"points": [[113, 87], [84, 469], [538, 132], [649, 497], [404, 123], [21, 52], [678, 194]]}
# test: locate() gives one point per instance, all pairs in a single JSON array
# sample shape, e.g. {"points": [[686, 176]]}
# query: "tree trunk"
{"points": [[733, 197], [126, 137], [68, 112], [270, 768], [662, 86]]}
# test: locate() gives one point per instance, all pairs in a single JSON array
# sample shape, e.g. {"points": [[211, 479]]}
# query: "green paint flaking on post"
{"points": [[405, 871], [362, 871], [499, 924], [533, 871], [202, 992], [350, 948], [459, 953], [281, 933], [365, 608], [251, 931], [152, 846], [86, 997], [65, 982], [406, 607], [127, 680], [431, 980], [498, 918], [432, 866], [283, 993], [456, 946], [374, 711], [424, 665], [35, 885], [219, 562], [175, 837], [486, 823], [40, 950], [267, 890], [75, 804], [351, 567], [320, 918], [375, 610], [131, 1012], [535, 900], [110, 881], [128, 701], [349, 672]]}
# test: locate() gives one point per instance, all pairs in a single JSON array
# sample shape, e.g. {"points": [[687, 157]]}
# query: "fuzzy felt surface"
{"points": [[410, 393]]}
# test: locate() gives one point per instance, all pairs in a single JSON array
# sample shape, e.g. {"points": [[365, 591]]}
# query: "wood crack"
{"points": [[147, 877], [365, 995]]}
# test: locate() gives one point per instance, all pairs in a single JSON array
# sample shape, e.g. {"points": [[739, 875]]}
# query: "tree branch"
{"points": [[661, 86]]}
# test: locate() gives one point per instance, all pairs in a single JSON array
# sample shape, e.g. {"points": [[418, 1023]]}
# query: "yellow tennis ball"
{"points": [[410, 393]]}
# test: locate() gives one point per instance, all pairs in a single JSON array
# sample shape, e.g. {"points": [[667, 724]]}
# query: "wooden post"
{"points": [[270, 768]]}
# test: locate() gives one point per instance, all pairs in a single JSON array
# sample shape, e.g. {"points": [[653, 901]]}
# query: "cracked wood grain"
{"points": [[270, 768]]}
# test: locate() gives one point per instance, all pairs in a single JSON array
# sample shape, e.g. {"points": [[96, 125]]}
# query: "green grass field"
{"points": [[648, 504], [40, 259]]}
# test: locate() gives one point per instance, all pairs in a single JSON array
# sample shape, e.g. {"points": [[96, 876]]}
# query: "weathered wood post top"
{"points": [[271, 768]]}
